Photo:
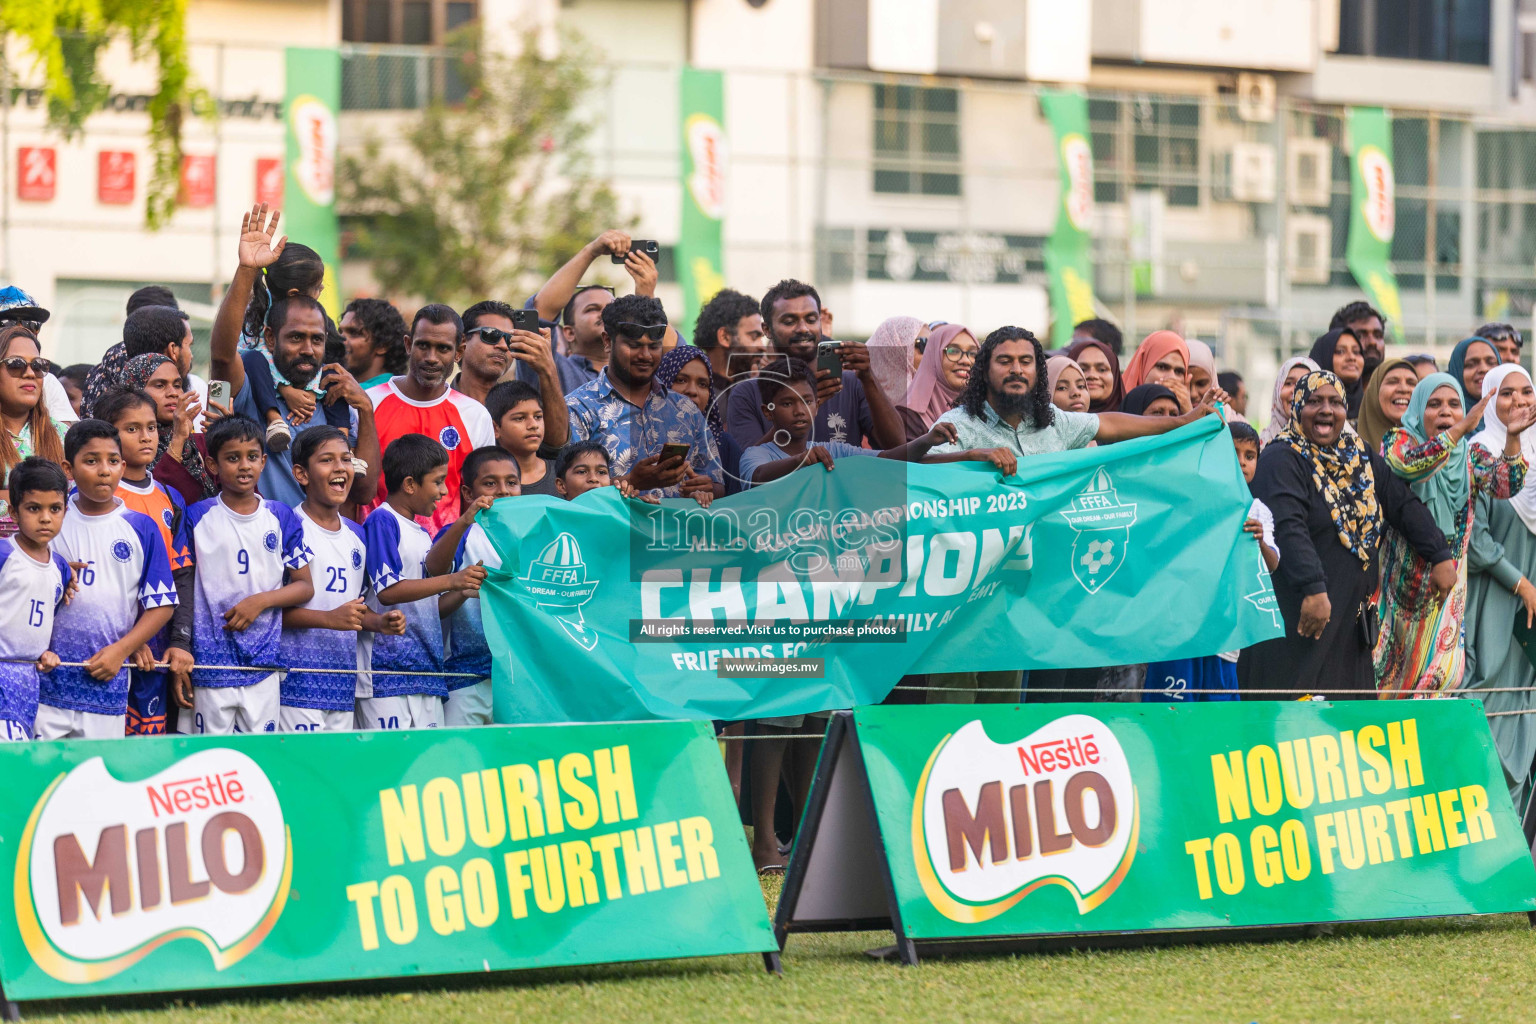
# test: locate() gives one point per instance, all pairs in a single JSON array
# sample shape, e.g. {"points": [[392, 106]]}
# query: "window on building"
{"points": [[407, 22], [1163, 151], [1453, 31], [917, 140]]}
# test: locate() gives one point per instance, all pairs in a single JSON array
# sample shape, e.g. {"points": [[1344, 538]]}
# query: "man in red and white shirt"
{"points": [[421, 402]]}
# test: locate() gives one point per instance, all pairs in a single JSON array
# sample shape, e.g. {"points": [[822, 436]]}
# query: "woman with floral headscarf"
{"points": [[1423, 648], [179, 460], [1331, 498], [687, 371]]}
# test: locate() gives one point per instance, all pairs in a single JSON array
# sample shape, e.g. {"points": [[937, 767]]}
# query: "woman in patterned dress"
{"points": [[1422, 646]]}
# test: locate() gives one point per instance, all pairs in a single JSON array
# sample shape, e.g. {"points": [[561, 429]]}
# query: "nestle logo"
{"points": [[1054, 755], [185, 795]]}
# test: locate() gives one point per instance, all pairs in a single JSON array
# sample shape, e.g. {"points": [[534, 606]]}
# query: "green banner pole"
{"points": [[310, 106], [1067, 251], [1372, 219], [700, 265]]}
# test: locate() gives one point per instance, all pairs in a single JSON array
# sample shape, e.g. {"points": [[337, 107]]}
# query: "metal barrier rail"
{"points": [[268, 669]]}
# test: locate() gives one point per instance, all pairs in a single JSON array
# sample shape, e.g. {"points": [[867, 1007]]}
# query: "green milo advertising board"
{"points": [[1069, 819], [182, 863]]}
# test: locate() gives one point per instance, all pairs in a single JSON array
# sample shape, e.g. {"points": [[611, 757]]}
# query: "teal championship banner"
{"points": [[1068, 251], [310, 108], [874, 569], [1035, 820], [700, 265], [1373, 210], [192, 863]]}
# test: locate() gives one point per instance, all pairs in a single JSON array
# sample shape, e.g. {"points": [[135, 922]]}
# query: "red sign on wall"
{"points": [[198, 181], [115, 176], [269, 181], [37, 173]]}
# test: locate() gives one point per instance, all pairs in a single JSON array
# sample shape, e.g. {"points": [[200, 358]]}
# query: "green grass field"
{"points": [[1447, 969]]}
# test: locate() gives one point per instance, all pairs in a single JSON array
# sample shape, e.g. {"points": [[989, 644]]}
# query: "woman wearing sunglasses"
{"points": [[29, 430]]}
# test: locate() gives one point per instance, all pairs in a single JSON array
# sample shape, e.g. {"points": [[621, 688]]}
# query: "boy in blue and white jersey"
{"points": [[34, 580], [321, 638], [244, 546], [415, 471], [127, 594], [138, 432], [487, 474]]}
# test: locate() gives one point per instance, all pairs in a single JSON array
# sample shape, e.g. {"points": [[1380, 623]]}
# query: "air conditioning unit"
{"points": [[1308, 248], [1255, 97], [1246, 173], [1309, 172]]}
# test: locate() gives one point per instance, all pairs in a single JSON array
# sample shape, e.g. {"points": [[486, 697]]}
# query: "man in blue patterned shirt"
{"points": [[632, 418]]}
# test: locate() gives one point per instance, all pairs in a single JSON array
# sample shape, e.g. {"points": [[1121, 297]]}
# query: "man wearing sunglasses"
{"points": [[492, 346], [632, 418], [1505, 338], [576, 310]]}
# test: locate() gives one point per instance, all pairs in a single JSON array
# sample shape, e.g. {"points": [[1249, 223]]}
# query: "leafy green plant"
{"points": [[67, 37], [486, 190]]}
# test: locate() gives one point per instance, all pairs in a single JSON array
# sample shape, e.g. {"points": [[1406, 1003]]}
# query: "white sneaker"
{"points": [[279, 436]]}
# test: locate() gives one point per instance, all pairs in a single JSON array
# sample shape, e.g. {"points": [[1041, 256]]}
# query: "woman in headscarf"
{"points": [[891, 348], [1069, 390], [947, 360], [1101, 372], [1422, 649], [1150, 400], [687, 371], [1501, 560], [1470, 362], [1331, 498], [179, 456], [1202, 367], [1386, 400], [1291, 371], [1340, 353], [1161, 358]]}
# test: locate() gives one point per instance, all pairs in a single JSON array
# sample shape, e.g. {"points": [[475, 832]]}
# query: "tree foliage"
{"points": [[477, 197], [67, 38]]}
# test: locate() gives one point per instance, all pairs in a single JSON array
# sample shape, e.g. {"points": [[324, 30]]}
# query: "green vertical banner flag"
{"points": [[1373, 213], [310, 106], [1067, 257], [700, 266]]}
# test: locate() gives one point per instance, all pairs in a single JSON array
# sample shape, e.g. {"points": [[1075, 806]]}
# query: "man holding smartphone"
{"points": [[657, 439], [850, 405], [498, 340], [577, 309]]}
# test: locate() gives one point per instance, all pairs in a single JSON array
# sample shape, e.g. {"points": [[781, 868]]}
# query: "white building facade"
{"points": [[895, 153]]}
